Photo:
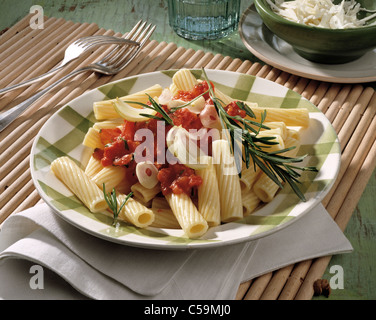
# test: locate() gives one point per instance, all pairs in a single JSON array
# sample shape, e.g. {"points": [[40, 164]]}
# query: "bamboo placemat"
{"points": [[26, 53]]}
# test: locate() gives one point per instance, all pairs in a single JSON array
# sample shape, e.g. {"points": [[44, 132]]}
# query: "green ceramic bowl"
{"points": [[320, 44]]}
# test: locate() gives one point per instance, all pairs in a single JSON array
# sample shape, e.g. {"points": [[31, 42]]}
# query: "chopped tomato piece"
{"points": [[178, 179], [114, 151], [109, 135], [198, 89], [98, 154], [128, 130], [233, 110], [187, 119]]}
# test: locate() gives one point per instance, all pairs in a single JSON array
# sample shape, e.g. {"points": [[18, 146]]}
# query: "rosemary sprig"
{"points": [[157, 107], [111, 200], [189, 102], [276, 166], [154, 106]]}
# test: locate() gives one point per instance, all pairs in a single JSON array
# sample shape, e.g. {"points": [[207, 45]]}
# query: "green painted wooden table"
{"points": [[119, 15]]}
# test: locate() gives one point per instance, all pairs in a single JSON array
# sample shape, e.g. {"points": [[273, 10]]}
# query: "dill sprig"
{"points": [[111, 200], [276, 166]]}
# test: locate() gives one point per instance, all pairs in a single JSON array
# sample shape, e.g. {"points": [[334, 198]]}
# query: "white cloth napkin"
{"points": [[77, 265]]}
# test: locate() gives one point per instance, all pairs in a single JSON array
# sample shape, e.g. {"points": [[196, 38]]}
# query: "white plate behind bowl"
{"points": [[269, 48], [63, 134]]}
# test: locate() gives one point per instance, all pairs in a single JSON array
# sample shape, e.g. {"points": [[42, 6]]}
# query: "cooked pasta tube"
{"points": [[249, 176], [208, 195], [104, 110], [93, 167], [278, 145], [184, 80], [190, 220], [164, 218], [92, 139], [111, 176], [124, 186], [265, 188], [174, 89], [134, 212], [250, 201], [292, 133], [109, 124], [160, 203], [277, 127], [144, 194], [79, 183], [291, 117], [225, 99], [228, 182]]}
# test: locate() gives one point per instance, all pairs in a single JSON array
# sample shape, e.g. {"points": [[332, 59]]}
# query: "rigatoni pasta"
{"points": [[228, 182], [186, 213], [135, 213], [144, 194], [110, 177], [186, 195], [184, 80], [79, 183], [250, 201], [104, 110], [208, 195], [265, 188], [93, 167]]}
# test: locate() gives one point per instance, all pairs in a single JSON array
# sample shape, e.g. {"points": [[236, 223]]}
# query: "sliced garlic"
{"points": [[147, 174], [165, 97], [175, 103], [197, 105]]}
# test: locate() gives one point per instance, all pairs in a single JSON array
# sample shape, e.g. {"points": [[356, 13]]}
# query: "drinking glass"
{"points": [[203, 19]]}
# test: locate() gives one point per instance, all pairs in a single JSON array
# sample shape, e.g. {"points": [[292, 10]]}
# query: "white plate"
{"points": [[269, 48], [63, 134]]}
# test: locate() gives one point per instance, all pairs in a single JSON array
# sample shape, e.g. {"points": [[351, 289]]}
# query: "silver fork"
{"points": [[111, 64], [73, 51]]}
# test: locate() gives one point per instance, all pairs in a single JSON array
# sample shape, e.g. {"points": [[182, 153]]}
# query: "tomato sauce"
{"points": [[233, 109], [198, 89], [120, 145], [177, 179], [186, 119]]}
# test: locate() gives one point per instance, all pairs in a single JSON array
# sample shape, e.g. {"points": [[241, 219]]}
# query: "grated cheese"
{"points": [[322, 13]]}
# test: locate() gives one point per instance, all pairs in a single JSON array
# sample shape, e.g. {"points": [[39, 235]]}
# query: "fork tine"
{"points": [[131, 33], [127, 58], [86, 40], [142, 34], [115, 53], [146, 34], [138, 31]]}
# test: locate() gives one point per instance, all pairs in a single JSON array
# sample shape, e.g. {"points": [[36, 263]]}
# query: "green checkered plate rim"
{"points": [[63, 133]]}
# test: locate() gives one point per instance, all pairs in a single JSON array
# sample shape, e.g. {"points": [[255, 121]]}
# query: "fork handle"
{"points": [[10, 115], [30, 81]]}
